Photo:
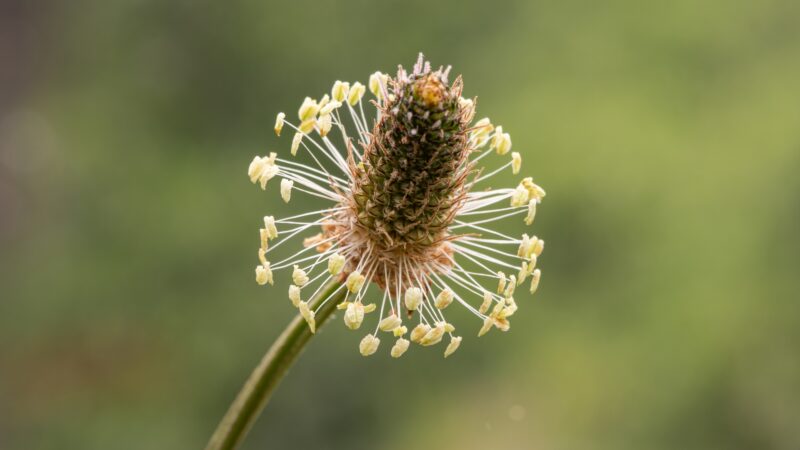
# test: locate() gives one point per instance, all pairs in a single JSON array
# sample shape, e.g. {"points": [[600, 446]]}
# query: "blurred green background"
{"points": [[667, 135]]}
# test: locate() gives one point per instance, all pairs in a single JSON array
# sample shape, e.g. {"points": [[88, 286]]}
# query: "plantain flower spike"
{"points": [[411, 218]]}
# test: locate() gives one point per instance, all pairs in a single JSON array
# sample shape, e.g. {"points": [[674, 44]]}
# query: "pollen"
{"points": [[263, 274], [296, 140], [269, 225], [377, 84], [308, 109], [355, 93], [336, 264], [299, 276], [369, 345], [516, 162], [294, 295], [390, 323], [537, 274], [487, 302], [286, 189], [531, 212], [419, 332], [399, 348], [434, 336], [354, 315], [308, 315], [354, 281], [279, 123], [340, 90], [452, 346], [444, 299], [413, 298]]}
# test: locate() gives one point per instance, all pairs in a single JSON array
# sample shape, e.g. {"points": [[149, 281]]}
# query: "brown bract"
{"points": [[410, 182]]}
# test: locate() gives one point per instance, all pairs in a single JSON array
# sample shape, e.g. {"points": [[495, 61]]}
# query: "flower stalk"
{"points": [[273, 366]]}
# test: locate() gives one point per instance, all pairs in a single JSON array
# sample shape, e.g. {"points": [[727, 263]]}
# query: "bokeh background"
{"points": [[667, 135]]}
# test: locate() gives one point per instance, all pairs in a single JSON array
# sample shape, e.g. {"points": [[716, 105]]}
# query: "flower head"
{"points": [[411, 211]]}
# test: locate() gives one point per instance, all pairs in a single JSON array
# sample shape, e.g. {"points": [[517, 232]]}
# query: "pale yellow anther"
{"points": [[355, 94], [434, 336], [262, 255], [269, 225], [255, 168], [516, 162], [324, 125], [444, 299], [262, 169], [329, 108], [264, 237], [496, 137], [399, 331], [538, 247], [340, 90], [502, 324], [531, 212], [537, 274], [512, 283], [452, 346], [279, 123], [481, 131], [354, 281], [530, 247], [487, 325], [498, 308], [307, 126], [419, 332], [399, 347], [487, 302], [509, 310], [467, 107], [501, 282], [354, 315], [448, 327], [308, 315], [369, 308], [377, 82], [524, 247], [298, 137], [342, 305], [390, 323], [336, 264], [523, 273], [484, 125], [532, 260], [263, 274], [308, 109], [294, 295], [369, 345], [267, 174], [299, 276], [323, 102], [520, 196], [413, 298], [286, 189], [501, 141], [534, 190]]}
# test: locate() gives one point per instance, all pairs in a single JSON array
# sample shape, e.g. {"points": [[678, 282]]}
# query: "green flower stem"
{"points": [[273, 366]]}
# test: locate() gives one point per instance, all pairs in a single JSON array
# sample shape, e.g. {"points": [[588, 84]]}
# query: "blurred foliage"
{"points": [[666, 135]]}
